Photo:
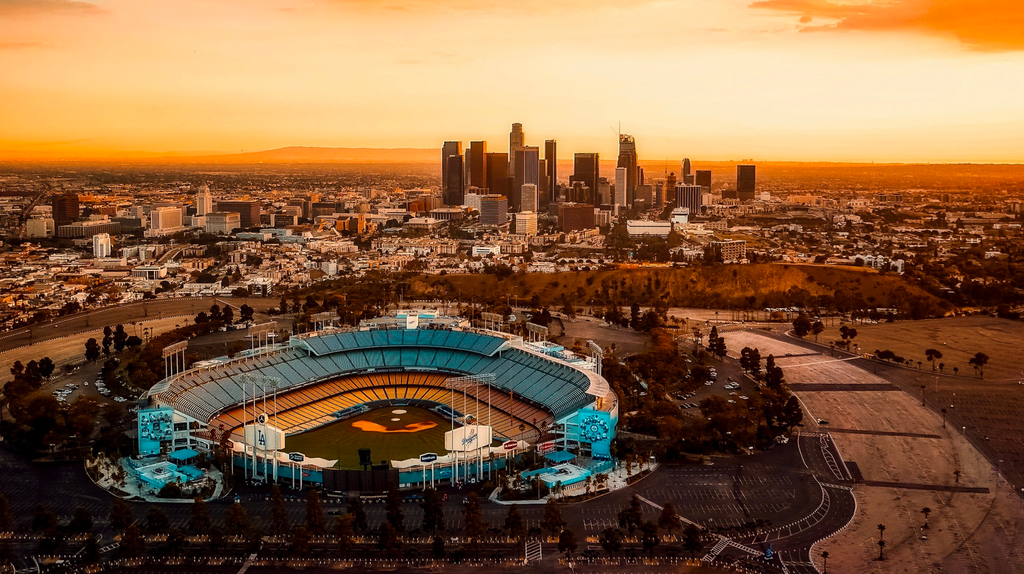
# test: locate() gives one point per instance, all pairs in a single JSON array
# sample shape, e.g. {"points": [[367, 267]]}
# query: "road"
{"points": [[121, 314]]}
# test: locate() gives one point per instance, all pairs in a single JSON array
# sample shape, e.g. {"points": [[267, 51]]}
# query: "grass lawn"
{"points": [[415, 432], [958, 339]]}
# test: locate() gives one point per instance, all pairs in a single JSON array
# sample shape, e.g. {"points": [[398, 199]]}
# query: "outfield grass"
{"points": [[386, 439]]}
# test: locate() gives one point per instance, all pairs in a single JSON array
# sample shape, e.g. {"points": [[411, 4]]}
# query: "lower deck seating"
{"points": [[313, 406]]}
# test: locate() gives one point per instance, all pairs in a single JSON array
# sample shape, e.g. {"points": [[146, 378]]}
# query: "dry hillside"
{"points": [[735, 286]]}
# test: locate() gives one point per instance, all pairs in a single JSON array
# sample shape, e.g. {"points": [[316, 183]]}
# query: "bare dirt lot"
{"points": [[905, 461]]}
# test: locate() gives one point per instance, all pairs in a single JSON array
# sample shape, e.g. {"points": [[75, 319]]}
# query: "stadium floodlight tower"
{"points": [[260, 336], [598, 353], [262, 433], [174, 358], [323, 320], [464, 383]]}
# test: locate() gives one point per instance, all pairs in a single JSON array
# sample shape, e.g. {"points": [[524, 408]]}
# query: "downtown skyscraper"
{"points": [[628, 160], [452, 185], [587, 170], [551, 165]]}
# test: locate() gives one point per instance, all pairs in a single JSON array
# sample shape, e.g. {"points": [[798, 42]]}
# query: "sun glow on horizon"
{"points": [[806, 80]]}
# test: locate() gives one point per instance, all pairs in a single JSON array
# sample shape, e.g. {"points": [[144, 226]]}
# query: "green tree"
{"points": [[388, 539], [552, 521], [978, 361], [81, 522], [817, 328], [120, 515], [691, 540], [199, 517], [46, 367], [236, 520], [358, 515], [344, 531], [156, 520], [316, 524], [7, 522], [393, 510], [649, 537], [279, 523], [632, 516], [44, 521], [473, 521], [132, 543], [567, 542], [92, 350], [437, 549], [91, 551], [299, 544], [801, 325], [611, 541], [932, 355], [515, 528], [669, 518], [433, 511]]}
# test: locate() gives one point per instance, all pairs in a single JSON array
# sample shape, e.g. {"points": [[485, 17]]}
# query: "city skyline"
{"points": [[793, 80]]}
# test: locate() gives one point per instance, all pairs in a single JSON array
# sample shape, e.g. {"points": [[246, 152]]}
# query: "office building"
{"points": [[248, 211], [621, 175], [604, 191], [38, 228], [497, 173], [448, 149], [638, 228], [84, 229], [687, 176], [164, 221], [745, 182], [527, 165], [732, 251], [529, 198], [668, 190], [223, 222], [703, 179], [578, 192], [453, 189], [204, 200], [493, 210], [516, 140], [525, 223], [587, 170], [689, 196], [65, 208], [628, 160], [575, 216], [551, 167], [101, 246], [476, 164]]}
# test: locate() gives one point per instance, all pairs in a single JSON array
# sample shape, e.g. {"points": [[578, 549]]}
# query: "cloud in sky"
{"points": [[47, 7], [987, 25]]}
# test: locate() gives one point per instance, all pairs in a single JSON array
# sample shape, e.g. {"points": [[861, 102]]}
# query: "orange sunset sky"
{"points": [[837, 80]]}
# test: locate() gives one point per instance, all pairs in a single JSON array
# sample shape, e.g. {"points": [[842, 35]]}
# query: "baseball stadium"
{"points": [[418, 397]]}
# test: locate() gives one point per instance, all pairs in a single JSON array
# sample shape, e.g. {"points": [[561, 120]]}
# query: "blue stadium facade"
{"points": [[582, 408]]}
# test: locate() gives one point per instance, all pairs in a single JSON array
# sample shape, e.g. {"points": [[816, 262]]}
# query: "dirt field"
{"points": [[969, 532], [627, 342], [957, 338]]}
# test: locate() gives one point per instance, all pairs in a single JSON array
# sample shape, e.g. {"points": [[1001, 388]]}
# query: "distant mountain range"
{"points": [[302, 154]]}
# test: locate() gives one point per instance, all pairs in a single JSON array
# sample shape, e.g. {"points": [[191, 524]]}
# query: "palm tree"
{"points": [[955, 370], [881, 547], [824, 556], [943, 418], [881, 531], [926, 511]]}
